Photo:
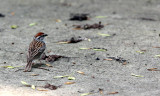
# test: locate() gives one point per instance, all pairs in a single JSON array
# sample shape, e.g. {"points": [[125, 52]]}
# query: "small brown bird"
{"points": [[36, 49]]}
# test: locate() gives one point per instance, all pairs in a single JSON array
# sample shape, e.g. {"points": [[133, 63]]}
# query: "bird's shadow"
{"points": [[37, 65]]}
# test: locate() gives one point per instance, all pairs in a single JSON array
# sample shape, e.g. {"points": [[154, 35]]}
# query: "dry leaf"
{"points": [[157, 55], [33, 87], [85, 48], [136, 75], [85, 94], [14, 26], [71, 78], [63, 42], [32, 24], [12, 13], [11, 67], [140, 52], [99, 49], [41, 89], [60, 76], [68, 83], [89, 40], [124, 63], [80, 72], [156, 47], [103, 34], [153, 69], [49, 65], [100, 16], [113, 93], [58, 20], [34, 74], [25, 83]]}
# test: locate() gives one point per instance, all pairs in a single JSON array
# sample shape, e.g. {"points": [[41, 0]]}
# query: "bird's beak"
{"points": [[45, 35]]}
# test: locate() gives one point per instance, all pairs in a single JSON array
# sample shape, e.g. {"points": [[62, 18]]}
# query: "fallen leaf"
{"points": [[14, 26], [60, 76], [68, 83], [49, 65], [85, 94], [32, 24], [99, 49], [103, 34], [71, 78], [63, 42], [140, 52], [12, 13], [156, 47], [157, 55], [34, 74], [41, 89], [25, 83], [124, 63], [113, 93], [84, 48], [153, 69], [11, 67], [101, 17], [89, 40], [80, 72], [33, 87], [136, 75], [58, 20]]}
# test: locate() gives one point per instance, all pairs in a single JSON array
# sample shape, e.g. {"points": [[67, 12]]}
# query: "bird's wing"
{"points": [[35, 48]]}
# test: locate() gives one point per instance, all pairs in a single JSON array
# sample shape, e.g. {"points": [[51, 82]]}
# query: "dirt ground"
{"points": [[134, 31]]}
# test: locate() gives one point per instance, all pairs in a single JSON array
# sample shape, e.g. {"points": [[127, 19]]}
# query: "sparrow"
{"points": [[36, 50]]}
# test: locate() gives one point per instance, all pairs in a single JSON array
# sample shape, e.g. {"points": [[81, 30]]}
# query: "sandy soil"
{"points": [[135, 24]]}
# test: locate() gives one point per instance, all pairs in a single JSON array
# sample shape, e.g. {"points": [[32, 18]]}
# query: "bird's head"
{"points": [[40, 36]]}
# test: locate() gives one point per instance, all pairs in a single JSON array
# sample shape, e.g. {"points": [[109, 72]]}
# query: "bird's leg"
{"points": [[28, 66]]}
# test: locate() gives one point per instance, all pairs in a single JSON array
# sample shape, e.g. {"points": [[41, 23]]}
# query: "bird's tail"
{"points": [[28, 66]]}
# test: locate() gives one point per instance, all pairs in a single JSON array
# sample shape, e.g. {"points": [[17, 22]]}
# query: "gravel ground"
{"points": [[134, 29]]}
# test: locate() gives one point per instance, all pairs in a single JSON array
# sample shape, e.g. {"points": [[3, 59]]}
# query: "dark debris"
{"points": [[78, 17], [88, 26], [147, 19], [51, 87], [119, 59], [97, 58], [52, 58], [2, 15], [73, 40]]}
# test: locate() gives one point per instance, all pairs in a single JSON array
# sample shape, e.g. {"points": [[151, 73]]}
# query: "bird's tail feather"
{"points": [[28, 66]]}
